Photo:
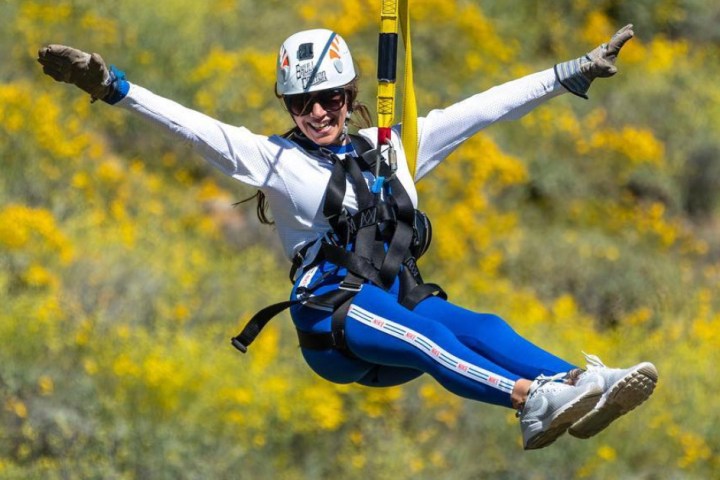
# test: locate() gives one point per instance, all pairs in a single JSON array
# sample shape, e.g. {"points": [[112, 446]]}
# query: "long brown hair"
{"points": [[360, 118]]}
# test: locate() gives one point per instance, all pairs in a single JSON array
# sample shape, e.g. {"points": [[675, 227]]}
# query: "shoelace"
{"points": [[593, 361], [539, 381]]}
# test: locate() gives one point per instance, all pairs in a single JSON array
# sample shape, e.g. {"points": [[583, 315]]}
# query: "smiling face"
{"points": [[321, 115]]}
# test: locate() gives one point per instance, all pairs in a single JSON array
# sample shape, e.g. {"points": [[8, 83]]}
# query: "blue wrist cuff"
{"points": [[119, 86]]}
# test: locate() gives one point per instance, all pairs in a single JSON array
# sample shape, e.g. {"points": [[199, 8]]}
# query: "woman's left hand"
{"points": [[601, 61], [576, 75]]}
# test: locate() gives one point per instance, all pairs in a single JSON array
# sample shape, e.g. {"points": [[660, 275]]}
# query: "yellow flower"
{"points": [[16, 406], [417, 465], [565, 307], [358, 461], [598, 28], [181, 312], [46, 384], [103, 29], [328, 412], [437, 459], [694, 449], [33, 229], [110, 172], [157, 371], [665, 54], [209, 190], [356, 437], [259, 440], [80, 180], [90, 366], [352, 15], [607, 453], [638, 145], [38, 276], [218, 62], [639, 317], [123, 366]]}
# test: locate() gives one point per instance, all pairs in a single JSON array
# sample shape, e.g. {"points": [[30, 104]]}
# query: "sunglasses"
{"points": [[330, 100]]}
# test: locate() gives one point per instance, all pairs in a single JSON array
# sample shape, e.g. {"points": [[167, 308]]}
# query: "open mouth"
{"points": [[322, 127]]}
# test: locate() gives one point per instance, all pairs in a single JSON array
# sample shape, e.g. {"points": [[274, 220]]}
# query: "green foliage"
{"points": [[124, 267]]}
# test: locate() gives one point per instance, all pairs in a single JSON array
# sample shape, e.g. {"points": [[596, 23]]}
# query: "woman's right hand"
{"points": [[70, 65]]}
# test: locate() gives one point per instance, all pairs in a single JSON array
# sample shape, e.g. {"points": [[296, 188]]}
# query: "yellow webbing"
{"points": [[386, 90], [390, 11], [409, 113]]}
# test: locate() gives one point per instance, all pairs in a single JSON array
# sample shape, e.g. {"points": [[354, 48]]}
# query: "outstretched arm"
{"points": [[235, 151], [442, 131]]}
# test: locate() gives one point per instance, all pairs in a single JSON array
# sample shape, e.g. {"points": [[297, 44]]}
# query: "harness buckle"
{"points": [[299, 258], [237, 343], [350, 286], [297, 261], [302, 293]]}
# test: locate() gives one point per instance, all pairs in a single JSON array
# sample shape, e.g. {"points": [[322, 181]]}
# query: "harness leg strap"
{"points": [[333, 339], [338, 327]]}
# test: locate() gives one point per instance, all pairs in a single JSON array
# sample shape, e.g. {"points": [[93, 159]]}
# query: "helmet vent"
{"points": [[305, 52]]}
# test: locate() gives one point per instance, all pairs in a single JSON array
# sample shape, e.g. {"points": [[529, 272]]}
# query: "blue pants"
{"points": [[474, 355]]}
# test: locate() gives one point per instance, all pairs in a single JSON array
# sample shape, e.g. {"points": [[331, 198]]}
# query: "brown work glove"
{"points": [[576, 75], [70, 65]]}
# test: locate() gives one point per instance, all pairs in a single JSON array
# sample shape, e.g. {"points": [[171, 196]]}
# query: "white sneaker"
{"points": [[551, 407], [623, 390]]}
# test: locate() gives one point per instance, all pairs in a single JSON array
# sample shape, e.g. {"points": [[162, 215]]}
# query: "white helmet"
{"points": [[313, 60]]}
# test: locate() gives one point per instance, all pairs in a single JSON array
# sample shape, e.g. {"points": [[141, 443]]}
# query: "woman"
{"points": [[345, 213]]}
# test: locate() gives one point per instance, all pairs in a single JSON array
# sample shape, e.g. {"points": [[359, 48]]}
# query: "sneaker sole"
{"points": [[563, 419], [627, 393]]}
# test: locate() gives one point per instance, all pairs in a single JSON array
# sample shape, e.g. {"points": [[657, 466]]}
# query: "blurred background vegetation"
{"points": [[124, 268]]}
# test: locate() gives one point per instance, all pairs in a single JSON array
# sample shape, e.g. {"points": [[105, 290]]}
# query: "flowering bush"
{"points": [[125, 269]]}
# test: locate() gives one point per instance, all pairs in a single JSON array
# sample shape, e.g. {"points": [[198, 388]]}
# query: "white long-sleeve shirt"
{"points": [[294, 181]]}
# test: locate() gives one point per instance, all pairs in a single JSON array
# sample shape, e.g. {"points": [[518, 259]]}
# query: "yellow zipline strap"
{"points": [[409, 112], [391, 10]]}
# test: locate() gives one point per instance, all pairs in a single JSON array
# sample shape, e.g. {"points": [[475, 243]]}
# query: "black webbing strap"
{"points": [[257, 323], [371, 217], [333, 205], [419, 293], [396, 252], [366, 236], [335, 193], [402, 237], [316, 340], [298, 261], [332, 339], [337, 326], [413, 289], [335, 299], [365, 198], [360, 144], [354, 263]]}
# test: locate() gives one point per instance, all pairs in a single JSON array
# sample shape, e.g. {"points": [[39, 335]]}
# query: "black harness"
{"points": [[377, 244]]}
